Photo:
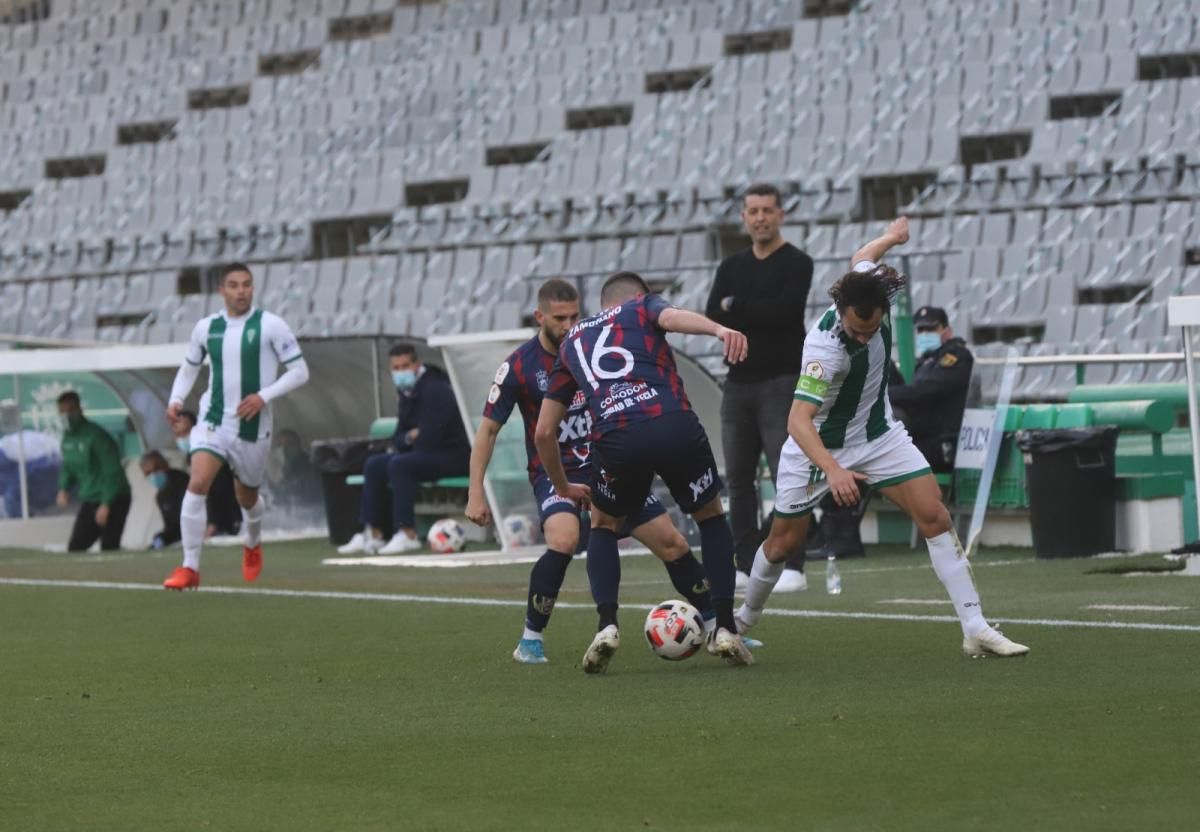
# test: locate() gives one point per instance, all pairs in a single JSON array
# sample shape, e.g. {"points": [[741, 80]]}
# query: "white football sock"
{"points": [[763, 577], [252, 522], [954, 570], [531, 635], [193, 520]]}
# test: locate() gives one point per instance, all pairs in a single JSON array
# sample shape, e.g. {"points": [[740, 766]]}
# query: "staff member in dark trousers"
{"points": [[760, 291], [931, 405], [91, 462], [169, 487]]}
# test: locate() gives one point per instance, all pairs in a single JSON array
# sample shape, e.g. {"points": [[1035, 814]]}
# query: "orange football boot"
{"points": [[251, 562], [182, 578]]}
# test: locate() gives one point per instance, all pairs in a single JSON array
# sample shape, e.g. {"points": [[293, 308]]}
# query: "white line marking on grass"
{"points": [[933, 602], [398, 598], [1134, 607]]}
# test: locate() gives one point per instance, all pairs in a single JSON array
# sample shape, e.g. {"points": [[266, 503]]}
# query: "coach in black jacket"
{"points": [[760, 291], [430, 443]]}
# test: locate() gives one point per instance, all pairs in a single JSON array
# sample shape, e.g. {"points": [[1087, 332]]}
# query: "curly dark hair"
{"points": [[864, 292]]}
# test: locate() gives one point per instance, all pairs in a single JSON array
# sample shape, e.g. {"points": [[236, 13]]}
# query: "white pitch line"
{"points": [[501, 602], [933, 602], [1134, 607]]}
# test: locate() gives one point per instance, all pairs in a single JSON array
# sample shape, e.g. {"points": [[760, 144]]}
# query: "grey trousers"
{"points": [[753, 422]]}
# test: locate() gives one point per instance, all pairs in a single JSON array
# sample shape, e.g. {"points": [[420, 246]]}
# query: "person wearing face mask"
{"points": [[931, 404], [169, 487], [224, 513], [430, 443], [91, 463]]}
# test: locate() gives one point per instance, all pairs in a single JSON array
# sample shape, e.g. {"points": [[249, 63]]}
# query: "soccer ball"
{"points": [[447, 536], [518, 530], [675, 630]]}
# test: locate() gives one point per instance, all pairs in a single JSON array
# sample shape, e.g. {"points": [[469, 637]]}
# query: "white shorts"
{"points": [[887, 460], [247, 460]]}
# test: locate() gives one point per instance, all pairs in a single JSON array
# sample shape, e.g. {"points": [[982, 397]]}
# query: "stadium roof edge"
{"points": [[133, 357]]}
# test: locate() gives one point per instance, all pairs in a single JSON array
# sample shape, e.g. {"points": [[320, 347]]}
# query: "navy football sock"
{"points": [[716, 547], [545, 580], [604, 573], [687, 576]]}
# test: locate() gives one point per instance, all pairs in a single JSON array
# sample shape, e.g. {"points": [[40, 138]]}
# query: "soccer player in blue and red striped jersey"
{"points": [[520, 384], [620, 360]]}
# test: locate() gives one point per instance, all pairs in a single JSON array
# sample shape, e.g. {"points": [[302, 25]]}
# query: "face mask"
{"points": [[158, 479], [183, 444], [404, 379], [928, 342]]}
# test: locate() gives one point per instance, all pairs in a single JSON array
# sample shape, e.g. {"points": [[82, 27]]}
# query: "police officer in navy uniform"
{"points": [[931, 404]]}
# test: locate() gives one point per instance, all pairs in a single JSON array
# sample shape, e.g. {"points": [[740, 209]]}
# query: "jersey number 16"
{"points": [[592, 369]]}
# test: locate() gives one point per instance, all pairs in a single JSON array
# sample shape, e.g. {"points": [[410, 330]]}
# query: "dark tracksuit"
{"points": [[931, 405], [441, 450], [92, 461]]}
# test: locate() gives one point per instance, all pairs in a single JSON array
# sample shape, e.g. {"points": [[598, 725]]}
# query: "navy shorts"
{"points": [[549, 503], [674, 446]]}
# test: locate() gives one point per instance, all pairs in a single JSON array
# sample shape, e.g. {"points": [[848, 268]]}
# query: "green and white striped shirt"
{"points": [[245, 355], [847, 380]]}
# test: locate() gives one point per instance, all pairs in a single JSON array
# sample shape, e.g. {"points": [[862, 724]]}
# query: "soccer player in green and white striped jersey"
{"points": [[246, 349], [841, 431]]}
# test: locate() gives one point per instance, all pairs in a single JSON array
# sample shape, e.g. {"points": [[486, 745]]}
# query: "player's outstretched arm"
{"points": [[896, 234], [692, 323], [482, 449], [842, 483], [545, 438]]}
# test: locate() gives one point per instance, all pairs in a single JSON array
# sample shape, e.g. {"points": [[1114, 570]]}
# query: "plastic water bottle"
{"points": [[833, 578]]}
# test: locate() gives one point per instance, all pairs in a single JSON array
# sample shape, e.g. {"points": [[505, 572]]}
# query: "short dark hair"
{"points": [[764, 189], [235, 268], [556, 289], [154, 458], [402, 349], [622, 286], [69, 397], [864, 292], [190, 415]]}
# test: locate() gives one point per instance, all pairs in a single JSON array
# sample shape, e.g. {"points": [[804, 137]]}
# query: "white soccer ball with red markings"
{"points": [[447, 536], [675, 630], [519, 529]]}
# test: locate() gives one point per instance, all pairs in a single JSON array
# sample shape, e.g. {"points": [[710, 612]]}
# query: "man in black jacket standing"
{"points": [[760, 291], [430, 443]]}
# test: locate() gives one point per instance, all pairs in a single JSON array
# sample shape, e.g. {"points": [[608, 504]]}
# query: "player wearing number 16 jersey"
{"points": [[621, 362], [520, 383]]}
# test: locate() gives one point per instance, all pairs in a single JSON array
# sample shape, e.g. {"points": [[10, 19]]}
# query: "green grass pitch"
{"points": [[126, 709]]}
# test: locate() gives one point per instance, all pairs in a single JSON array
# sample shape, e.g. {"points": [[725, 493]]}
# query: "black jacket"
{"points": [[769, 296], [932, 403], [170, 503], [432, 409]]}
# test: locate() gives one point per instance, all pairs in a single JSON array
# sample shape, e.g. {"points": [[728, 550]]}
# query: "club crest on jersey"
{"points": [[502, 373], [494, 394], [813, 369], [543, 380], [580, 401], [250, 336]]}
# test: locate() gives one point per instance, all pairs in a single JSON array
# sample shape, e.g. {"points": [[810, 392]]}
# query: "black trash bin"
{"points": [[337, 459], [1070, 475]]}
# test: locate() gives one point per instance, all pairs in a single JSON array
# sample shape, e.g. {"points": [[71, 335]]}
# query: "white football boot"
{"points": [[730, 647], [792, 580], [401, 543], [991, 642], [602, 649]]}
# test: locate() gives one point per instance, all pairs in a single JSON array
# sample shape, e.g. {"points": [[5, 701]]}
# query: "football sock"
{"points": [[687, 576], [252, 522], [763, 577], [531, 635], [193, 520], [716, 547], [545, 580], [608, 615], [954, 570], [604, 572]]}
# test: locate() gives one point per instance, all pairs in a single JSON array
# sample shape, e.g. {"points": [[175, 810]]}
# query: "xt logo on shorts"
{"points": [[701, 485]]}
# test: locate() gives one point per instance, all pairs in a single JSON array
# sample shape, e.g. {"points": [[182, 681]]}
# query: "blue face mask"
{"points": [[183, 444], [404, 379], [158, 479], [928, 342]]}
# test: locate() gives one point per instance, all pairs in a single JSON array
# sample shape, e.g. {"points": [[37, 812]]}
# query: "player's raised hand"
{"points": [[898, 230], [249, 407], [477, 510], [843, 485], [580, 495], [736, 348]]}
